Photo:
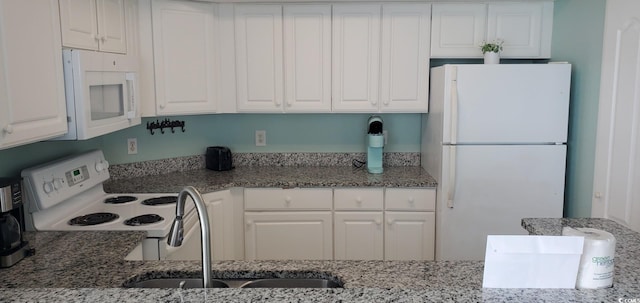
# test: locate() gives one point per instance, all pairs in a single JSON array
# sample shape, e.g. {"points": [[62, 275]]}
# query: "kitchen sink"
{"points": [[291, 283], [235, 283]]}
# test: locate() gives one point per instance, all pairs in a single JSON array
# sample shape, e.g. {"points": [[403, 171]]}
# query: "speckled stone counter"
{"points": [[89, 267], [294, 176]]}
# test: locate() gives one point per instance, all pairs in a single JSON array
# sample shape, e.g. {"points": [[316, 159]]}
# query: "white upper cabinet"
{"points": [[459, 29], [32, 100], [283, 56], [356, 57], [381, 57], [405, 57], [94, 24], [185, 57], [307, 58], [259, 55], [525, 28]]}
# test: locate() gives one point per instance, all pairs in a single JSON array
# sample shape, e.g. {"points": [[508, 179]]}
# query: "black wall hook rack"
{"points": [[166, 123]]}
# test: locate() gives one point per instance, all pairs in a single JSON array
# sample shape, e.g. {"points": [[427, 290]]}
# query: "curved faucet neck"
{"points": [[201, 209]]}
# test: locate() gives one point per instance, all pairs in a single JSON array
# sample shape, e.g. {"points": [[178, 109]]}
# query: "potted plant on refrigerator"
{"points": [[491, 51]]}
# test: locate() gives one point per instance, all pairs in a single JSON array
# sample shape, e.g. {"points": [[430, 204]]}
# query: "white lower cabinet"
{"points": [[225, 222], [288, 224], [409, 235], [288, 236], [358, 235], [409, 232], [224, 209], [366, 224]]}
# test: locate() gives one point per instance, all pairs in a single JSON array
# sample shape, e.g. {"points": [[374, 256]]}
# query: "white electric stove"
{"points": [[67, 195]]}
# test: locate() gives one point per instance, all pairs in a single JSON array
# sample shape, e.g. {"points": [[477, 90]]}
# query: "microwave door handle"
{"points": [[130, 79]]}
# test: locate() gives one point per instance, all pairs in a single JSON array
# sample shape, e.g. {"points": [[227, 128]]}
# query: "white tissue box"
{"points": [[532, 261]]}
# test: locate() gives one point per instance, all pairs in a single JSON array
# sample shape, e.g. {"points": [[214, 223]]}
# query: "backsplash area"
{"points": [[163, 166]]}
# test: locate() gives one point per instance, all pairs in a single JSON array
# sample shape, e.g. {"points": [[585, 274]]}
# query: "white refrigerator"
{"points": [[495, 140]]}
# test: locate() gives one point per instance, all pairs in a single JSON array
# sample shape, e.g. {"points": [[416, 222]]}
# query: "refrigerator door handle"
{"points": [[454, 106], [452, 176]]}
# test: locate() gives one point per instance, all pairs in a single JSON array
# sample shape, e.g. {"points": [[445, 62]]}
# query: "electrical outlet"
{"points": [[132, 146], [384, 134], [261, 138]]}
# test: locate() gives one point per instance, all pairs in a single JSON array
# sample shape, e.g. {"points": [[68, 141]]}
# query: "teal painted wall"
{"points": [[285, 133], [577, 38]]}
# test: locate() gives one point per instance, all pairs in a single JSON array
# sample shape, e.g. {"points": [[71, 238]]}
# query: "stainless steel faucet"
{"points": [[177, 229]]}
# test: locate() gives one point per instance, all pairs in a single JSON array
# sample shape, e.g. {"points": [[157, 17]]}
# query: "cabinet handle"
{"points": [[411, 200], [8, 129], [249, 223], [162, 106], [359, 200], [378, 222], [391, 221], [374, 102], [597, 195], [287, 200], [103, 38], [95, 37]]}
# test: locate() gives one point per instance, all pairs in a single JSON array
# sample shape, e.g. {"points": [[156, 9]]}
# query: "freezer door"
{"points": [[487, 190], [506, 103]]}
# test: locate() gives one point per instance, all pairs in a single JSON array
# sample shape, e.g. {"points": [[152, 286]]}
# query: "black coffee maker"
{"points": [[13, 247]]}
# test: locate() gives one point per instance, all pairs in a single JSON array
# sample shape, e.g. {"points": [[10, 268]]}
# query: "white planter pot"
{"points": [[491, 58]]}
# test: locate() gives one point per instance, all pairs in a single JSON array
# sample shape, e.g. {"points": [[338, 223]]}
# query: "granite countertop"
{"points": [[67, 269], [273, 176]]}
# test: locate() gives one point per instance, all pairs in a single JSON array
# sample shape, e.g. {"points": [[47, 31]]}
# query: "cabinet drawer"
{"points": [[410, 199], [358, 199], [288, 199]]}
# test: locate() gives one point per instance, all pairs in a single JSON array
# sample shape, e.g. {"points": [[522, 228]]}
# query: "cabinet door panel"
{"points": [[111, 28], [524, 27], [259, 58], [458, 30], [288, 236], [307, 58], [32, 100], [184, 57], [358, 235], [356, 57], [409, 235], [405, 57], [79, 24]]}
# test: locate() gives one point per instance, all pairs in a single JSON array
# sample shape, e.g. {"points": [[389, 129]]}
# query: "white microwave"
{"points": [[101, 91]]}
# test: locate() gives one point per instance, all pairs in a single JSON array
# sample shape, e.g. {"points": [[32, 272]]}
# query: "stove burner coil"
{"points": [[161, 200], [120, 199], [93, 219], [143, 220]]}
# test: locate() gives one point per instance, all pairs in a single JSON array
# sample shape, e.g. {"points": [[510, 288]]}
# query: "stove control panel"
{"points": [[51, 183], [77, 175]]}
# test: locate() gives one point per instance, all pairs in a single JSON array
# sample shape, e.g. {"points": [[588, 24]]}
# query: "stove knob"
{"points": [[47, 187], [101, 166], [57, 183]]}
